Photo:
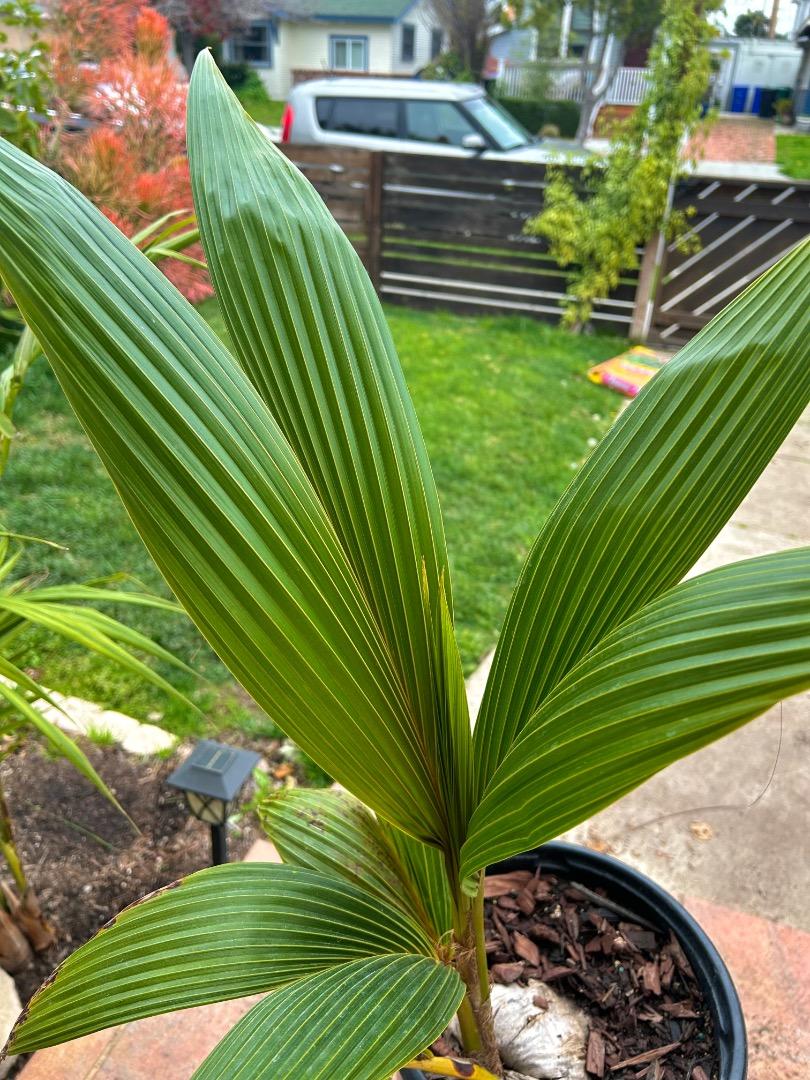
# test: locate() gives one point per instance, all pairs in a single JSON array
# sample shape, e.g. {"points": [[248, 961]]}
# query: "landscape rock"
{"points": [[85, 717], [10, 1008]]}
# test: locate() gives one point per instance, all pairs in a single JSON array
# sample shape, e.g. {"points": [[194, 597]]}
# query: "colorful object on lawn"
{"points": [[628, 372]]}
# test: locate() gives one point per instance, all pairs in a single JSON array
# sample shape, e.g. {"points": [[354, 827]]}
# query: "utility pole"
{"points": [[774, 17]]}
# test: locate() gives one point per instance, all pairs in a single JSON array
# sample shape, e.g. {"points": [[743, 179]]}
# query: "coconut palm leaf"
{"points": [[309, 331], [332, 832], [694, 664], [653, 495], [219, 497], [226, 932], [360, 1021]]}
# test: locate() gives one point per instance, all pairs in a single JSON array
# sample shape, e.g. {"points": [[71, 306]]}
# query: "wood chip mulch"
{"points": [[648, 1018]]}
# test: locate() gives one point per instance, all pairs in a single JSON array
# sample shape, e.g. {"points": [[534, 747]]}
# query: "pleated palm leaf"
{"points": [[285, 493]]}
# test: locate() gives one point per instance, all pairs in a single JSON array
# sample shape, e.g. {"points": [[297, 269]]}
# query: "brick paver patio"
{"points": [[745, 138]]}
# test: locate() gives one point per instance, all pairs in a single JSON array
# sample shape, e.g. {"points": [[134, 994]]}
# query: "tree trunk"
{"points": [[597, 91]]}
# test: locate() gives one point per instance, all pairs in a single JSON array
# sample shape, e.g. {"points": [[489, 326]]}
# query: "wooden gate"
{"points": [[744, 227]]}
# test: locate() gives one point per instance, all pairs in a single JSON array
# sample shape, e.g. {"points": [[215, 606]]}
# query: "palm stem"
{"points": [[8, 849], [475, 1015], [480, 942]]}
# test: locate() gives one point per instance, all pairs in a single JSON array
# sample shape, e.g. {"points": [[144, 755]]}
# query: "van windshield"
{"points": [[503, 129]]}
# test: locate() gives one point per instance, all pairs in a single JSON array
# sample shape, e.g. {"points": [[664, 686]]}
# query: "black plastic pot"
{"points": [[641, 895]]}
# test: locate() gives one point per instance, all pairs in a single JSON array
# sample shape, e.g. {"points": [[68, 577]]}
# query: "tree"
{"points": [[612, 27], [467, 25], [751, 24], [201, 21], [632, 186]]}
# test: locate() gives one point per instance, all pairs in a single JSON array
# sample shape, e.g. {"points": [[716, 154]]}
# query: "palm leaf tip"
{"points": [[309, 332]]}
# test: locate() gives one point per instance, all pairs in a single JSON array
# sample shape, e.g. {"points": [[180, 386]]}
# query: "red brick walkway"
{"points": [[739, 139]]}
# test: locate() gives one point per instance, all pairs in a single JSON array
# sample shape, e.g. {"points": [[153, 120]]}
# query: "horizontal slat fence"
{"points": [[452, 237], [744, 227], [444, 232], [348, 181]]}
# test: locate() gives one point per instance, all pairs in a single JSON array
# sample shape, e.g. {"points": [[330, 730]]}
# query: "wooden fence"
{"points": [[744, 227], [445, 232]]}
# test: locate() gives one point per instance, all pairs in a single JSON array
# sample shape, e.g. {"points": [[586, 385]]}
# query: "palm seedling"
{"points": [[285, 493]]}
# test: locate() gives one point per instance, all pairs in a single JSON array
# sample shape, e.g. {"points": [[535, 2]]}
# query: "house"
{"points": [[317, 37], [801, 90], [746, 67]]}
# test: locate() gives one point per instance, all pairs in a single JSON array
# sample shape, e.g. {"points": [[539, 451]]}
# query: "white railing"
{"points": [[628, 87]]}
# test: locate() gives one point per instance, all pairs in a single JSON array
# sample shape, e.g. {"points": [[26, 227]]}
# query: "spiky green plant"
{"points": [[71, 612], [285, 493]]}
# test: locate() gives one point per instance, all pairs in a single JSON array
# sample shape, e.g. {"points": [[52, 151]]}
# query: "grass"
{"points": [[507, 412], [793, 155], [258, 103], [100, 736]]}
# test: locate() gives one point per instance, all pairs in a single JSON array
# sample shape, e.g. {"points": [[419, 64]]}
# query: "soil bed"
{"points": [[83, 857], [647, 1015]]}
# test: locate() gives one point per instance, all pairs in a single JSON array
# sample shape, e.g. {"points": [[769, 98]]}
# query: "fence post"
{"points": [[647, 288], [374, 218]]}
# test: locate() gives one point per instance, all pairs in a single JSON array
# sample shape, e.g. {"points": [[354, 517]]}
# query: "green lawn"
{"points": [[256, 101], [793, 155], [507, 413]]}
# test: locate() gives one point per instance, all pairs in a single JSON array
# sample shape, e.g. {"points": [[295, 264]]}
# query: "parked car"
{"points": [[412, 116]]}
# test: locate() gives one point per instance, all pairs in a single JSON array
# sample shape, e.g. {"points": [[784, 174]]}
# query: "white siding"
{"points": [[419, 15], [306, 45]]}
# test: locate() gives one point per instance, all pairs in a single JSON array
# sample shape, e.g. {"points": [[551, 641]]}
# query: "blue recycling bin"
{"points": [[739, 98]]}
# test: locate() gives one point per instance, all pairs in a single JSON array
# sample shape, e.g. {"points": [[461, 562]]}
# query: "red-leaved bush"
{"points": [[132, 163]]}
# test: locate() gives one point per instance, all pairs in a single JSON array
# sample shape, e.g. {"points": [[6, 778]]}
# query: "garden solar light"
{"points": [[210, 778]]}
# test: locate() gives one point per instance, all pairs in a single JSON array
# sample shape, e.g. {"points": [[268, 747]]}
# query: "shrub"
{"points": [[133, 163], [237, 74], [533, 115]]}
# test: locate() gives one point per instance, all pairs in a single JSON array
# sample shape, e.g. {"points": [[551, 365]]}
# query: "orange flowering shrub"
{"points": [[132, 164]]}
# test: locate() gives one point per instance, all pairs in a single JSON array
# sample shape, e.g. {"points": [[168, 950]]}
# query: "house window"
{"points": [[348, 53], [408, 43], [252, 45], [436, 42]]}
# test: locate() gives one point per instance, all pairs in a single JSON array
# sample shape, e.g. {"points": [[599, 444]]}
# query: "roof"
{"points": [[347, 10], [339, 86]]}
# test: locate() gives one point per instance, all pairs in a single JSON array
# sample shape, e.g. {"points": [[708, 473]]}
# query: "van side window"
{"points": [[359, 116], [436, 122]]}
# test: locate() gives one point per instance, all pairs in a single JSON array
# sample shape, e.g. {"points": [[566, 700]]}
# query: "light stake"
{"points": [[210, 778]]}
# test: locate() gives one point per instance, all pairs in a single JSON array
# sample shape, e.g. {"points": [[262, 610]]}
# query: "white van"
{"points": [[411, 116]]}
